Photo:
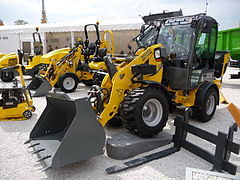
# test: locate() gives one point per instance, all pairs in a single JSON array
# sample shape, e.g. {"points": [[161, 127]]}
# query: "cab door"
{"points": [[204, 52]]}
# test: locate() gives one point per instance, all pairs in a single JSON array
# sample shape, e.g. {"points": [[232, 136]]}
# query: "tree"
{"points": [[20, 22]]}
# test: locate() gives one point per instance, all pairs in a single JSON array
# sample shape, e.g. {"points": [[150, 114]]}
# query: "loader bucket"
{"points": [[39, 86], [67, 132]]}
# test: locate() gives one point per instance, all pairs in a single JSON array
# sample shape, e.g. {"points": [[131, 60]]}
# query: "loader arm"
{"points": [[61, 66], [122, 81]]}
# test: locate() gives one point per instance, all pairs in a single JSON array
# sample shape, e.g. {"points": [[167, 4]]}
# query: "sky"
{"points": [[226, 12]]}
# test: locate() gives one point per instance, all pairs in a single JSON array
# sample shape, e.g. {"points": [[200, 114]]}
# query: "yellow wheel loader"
{"points": [[79, 65], [15, 102], [175, 66], [34, 63]]}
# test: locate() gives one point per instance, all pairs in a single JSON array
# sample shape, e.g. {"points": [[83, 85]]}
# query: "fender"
{"points": [[160, 87], [202, 90]]}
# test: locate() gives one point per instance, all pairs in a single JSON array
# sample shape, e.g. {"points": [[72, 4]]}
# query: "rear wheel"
{"points": [[7, 76], [208, 108], [68, 83], [27, 114], [144, 111]]}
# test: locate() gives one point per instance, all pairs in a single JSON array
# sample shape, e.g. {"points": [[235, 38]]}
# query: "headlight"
{"points": [[157, 53]]}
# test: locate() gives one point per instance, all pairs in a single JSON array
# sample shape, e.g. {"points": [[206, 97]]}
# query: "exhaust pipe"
{"points": [[67, 132]]}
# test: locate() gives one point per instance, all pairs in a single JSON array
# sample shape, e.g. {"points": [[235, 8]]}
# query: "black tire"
{"points": [[7, 76], [56, 85], [65, 80], [131, 111], [208, 108], [88, 82], [27, 114]]}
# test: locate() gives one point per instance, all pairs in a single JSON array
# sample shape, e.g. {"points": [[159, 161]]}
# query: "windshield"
{"points": [[176, 39], [148, 37]]}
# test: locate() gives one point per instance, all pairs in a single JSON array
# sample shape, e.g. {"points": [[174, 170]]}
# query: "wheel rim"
{"points": [[152, 112], [27, 114], [68, 83], [210, 105]]}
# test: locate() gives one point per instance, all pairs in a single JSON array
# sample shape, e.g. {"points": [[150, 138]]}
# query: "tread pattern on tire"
{"points": [[127, 112], [127, 109], [199, 112]]}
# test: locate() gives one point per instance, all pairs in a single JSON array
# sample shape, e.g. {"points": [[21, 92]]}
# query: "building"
{"points": [[61, 35]]}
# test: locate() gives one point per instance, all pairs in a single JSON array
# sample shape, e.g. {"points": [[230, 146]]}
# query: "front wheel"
{"points": [[68, 83], [7, 76], [27, 114], [145, 111], [208, 108]]}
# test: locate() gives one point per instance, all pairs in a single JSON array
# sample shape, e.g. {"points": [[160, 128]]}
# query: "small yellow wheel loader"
{"points": [[34, 63], [15, 102], [175, 65], [79, 65]]}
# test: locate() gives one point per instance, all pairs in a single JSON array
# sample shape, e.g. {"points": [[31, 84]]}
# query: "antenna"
{"points": [[206, 6], [44, 16]]}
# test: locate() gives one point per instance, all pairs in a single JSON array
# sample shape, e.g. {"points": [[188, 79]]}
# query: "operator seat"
{"points": [[101, 53], [90, 50]]}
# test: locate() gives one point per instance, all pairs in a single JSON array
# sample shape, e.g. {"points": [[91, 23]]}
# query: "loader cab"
{"points": [[190, 43]]}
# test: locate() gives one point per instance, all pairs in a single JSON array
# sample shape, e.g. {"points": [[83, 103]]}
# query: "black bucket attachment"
{"points": [[39, 86], [67, 132]]}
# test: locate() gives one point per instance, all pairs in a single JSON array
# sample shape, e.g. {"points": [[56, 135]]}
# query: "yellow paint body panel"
{"points": [[34, 62], [186, 101], [9, 60], [97, 65], [15, 113], [225, 62], [56, 54]]}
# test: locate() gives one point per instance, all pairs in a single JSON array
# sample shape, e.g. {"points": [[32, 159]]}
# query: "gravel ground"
{"points": [[16, 161]]}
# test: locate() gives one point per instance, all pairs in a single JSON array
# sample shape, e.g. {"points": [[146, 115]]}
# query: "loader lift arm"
{"points": [[121, 80]]}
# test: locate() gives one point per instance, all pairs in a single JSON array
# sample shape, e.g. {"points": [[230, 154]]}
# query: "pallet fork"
{"points": [[220, 159]]}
